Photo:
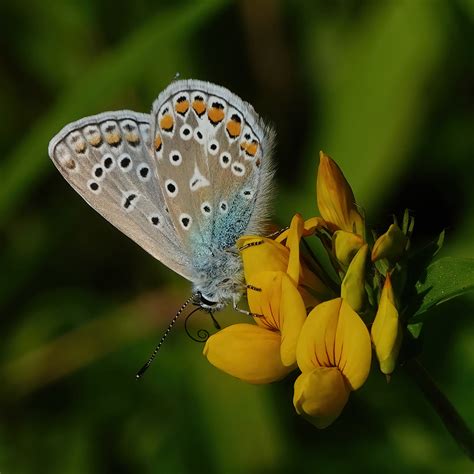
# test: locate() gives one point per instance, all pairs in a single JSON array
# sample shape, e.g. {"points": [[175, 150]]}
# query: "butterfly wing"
{"points": [[106, 159], [213, 162]]}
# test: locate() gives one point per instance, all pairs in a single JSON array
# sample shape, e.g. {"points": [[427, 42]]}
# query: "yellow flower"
{"points": [[283, 254], [333, 354], [335, 198], [265, 352], [390, 245], [353, 284], [386, 330]]}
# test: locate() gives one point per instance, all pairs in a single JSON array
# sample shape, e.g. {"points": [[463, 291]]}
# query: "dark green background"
{"points": [[386, 88]]}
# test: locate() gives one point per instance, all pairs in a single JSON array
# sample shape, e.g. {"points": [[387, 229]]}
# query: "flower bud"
{"points": [[386, 330], [335, 198], [390, 245], [345, 245], [353, 285]]}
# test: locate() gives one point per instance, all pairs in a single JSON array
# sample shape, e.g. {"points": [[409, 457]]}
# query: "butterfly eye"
{"points": [[207, 302]]}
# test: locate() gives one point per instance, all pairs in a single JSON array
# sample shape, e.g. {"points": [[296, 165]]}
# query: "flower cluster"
{"points": [[304, 318]]}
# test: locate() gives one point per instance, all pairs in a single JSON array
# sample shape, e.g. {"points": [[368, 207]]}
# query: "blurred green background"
{"points": [[385, 88]]}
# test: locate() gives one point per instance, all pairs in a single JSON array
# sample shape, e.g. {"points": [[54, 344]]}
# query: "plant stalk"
{"points": [[451, 419]]}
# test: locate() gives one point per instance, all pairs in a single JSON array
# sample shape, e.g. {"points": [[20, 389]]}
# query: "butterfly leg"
{"points": [[277, 233], [244, 311], [260, 242], [254, 288], [214, 320], [250, 244]]}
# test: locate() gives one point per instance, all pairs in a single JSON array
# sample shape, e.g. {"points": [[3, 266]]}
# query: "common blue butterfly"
{"points": [[184, 182]]}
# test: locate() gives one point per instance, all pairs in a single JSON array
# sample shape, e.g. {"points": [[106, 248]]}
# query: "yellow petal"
{"points": [[292, 318], [297, 266], [333, 335], [247, 352], [267, 256], [390, 245], [352, 347], [281, 307], [293, 244], [335, 198], [312, 224], [320, 395], [266, 302], [309, 228], [386, 330], [345, 246], [353, 285], [317, 338]]}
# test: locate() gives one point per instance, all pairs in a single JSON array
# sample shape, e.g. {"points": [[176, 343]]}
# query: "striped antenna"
{"points": [[165, 335]]}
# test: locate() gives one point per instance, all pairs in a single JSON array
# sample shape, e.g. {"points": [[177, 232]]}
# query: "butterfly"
{"points": [[184, 182]]}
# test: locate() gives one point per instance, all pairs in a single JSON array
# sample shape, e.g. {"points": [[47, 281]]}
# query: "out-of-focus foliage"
{"points": [[383, 87]]}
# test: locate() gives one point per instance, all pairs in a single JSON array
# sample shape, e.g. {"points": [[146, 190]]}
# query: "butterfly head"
{"points": [[219, 281], [205, 303], [216, 296]]}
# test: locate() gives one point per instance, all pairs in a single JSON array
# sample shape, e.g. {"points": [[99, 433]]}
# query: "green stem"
{"points": [[451, 419]]}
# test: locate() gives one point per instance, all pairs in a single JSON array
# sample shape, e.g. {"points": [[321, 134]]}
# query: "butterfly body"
{"points": [[184, 182]]}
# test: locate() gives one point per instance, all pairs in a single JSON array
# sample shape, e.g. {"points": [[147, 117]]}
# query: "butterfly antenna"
{"points": [[165, 335]]}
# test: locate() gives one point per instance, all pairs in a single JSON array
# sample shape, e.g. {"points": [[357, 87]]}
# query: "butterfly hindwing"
{"points": [[212, 155], [106, 158]]}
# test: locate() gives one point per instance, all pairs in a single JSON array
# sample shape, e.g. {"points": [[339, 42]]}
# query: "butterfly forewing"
{"points": [[212, 160], [107, 158]]}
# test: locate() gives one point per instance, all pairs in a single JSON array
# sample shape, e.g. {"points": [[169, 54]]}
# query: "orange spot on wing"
{"points": [[113, 138], [233, 128], [95, 140], [158, 143], [70, 164], [199, 107], [215, 115], [252, 148], [182, 107], [80, 147], [132, 138], [167, 122]]}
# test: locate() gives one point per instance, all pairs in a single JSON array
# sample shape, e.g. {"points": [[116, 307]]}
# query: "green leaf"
{"points": [[444, 279], [415, 271]]}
